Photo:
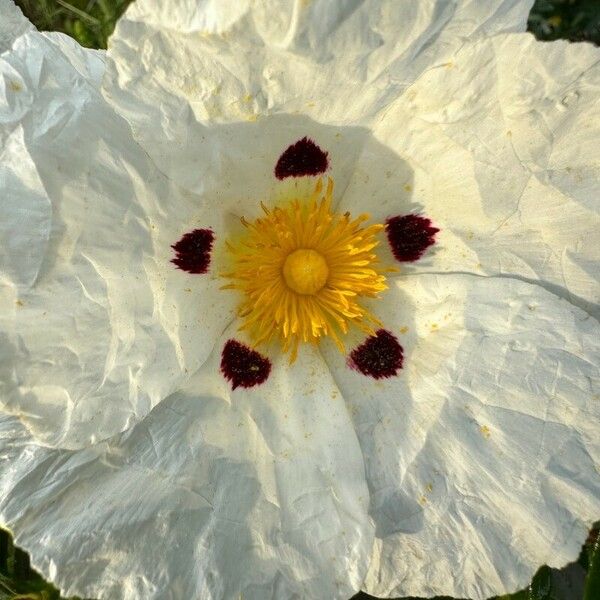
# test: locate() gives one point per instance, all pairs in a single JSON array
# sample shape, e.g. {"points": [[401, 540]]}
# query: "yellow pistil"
{"points": [[302, 270], [305, 271]]}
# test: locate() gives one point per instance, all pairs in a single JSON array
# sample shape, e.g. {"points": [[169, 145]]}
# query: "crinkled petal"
{"points": [[12, 24], [93, 333], [180, 66], [501, 149], [26, 213], [482, 454], [255, 492]]}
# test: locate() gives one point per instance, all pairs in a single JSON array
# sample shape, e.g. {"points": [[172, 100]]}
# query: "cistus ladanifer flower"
{"points": [[298, 299]]}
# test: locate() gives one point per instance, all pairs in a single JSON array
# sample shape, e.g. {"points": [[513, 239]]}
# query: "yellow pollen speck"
{"points": [[422, 501], [302, 270], [20, 303], [403, 329], [15, 86], [408, 187], [429, 487], [485, 431]]}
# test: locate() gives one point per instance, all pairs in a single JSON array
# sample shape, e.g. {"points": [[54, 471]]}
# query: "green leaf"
{"points": [[592, 581], [541, 586], [522, 595]]}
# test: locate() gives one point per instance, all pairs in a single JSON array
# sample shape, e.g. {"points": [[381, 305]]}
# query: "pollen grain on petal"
{"points": [[409, 236], [303, 270]]}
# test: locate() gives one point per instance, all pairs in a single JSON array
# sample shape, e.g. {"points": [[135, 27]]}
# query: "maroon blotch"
{"points": [[409, 236], [300, 159], [379, 356], [242, 366], [193, 251]]}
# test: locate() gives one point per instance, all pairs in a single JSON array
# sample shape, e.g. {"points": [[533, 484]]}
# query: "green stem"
{"points": [[80, 13]]}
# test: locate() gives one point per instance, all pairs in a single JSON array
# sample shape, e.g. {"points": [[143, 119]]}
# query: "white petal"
{"points": [[180, 66], [500, 151], [482, 455], [12, 23], [25, 213], [257, 493], [95, 322]]}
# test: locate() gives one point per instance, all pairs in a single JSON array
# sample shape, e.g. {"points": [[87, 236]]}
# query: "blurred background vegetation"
{"points": [[91, 22]]}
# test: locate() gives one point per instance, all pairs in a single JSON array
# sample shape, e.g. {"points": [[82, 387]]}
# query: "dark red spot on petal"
{"points": [[379, 356], [193, 251], [409, 236], [242, 366], [300, 159]]}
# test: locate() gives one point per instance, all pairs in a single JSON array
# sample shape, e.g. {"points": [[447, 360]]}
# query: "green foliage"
{"points": [[90, 22], [575, 20], [592, 559]]}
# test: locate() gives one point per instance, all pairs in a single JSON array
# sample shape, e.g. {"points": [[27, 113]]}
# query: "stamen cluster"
{"points": [[302, 270]]}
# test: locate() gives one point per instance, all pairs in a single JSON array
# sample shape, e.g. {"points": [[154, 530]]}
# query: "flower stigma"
{"points": [[302, 270], [305, 271]]}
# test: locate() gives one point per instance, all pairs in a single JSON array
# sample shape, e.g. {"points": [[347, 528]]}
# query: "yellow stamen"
{"points": [[302, 270]]}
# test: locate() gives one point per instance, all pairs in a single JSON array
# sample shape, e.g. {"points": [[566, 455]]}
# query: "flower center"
{"points": [[305, 271]]}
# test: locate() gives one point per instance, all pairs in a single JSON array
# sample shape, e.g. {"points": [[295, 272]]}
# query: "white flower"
{"points": [[149, 449]]}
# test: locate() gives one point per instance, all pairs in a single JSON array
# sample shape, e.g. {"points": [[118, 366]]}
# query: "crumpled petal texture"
{"points": [[131, 468], [481, 458], [12, 25], [257, 493], [92, 337], [485, 128], [502, 141], [181, 67]]}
